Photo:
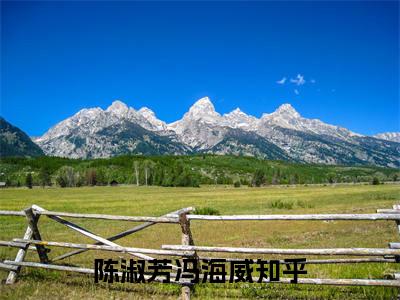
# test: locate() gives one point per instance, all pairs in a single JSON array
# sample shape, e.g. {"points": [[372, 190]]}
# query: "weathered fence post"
{"points": [[32, 222], [397, 207], [187, 240], [31, 231], [12, 276]]}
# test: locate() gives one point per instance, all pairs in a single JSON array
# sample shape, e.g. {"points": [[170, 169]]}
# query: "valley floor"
{"points": [[155, 201]]}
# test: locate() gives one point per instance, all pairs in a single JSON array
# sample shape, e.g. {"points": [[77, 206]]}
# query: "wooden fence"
{"points": [[187, 249]]}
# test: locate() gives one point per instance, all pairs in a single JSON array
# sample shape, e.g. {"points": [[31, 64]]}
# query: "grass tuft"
{"points": [[279, 204], [207, 211]]}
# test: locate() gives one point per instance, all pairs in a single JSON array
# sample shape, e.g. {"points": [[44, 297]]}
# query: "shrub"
{"points": [[91, 177], [45, 176], [29, 180], [65, 176], [236, 184], [375, 181], [258, 178], [207, 211], [304, 204], [278, 204]]}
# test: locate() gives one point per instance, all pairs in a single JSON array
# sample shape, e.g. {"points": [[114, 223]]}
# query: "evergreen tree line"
{"points": [[188, 171], [146, 173]]}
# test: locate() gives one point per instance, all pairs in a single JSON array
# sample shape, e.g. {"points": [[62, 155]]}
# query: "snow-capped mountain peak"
{"points": [[237, 111], [118, 108], [284, 116], [194, 128], [203, 110], [389, 136], [150, 116], [204, 102], [238, 119], [87, 113], [146, 112], [287, 117], [287, 111], [202, 107]]}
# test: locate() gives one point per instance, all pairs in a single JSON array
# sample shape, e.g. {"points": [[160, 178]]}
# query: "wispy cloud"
{"points": [[299, 80], [282, 81]]}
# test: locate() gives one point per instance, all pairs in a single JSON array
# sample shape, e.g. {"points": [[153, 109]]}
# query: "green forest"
{"points": [[180, 171]]}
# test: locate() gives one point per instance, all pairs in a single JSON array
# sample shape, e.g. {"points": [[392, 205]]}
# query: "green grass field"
{"points": [[155, 201]]}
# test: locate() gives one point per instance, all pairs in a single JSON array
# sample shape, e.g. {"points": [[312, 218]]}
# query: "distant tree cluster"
{"points": [[277, 176], [180, 171], [144, 172]]}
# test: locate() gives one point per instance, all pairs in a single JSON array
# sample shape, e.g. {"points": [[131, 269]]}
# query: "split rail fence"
{"points": [[32, 241]]}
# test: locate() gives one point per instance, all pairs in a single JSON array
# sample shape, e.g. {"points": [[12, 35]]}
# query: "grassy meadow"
{"points": [[155, 201]]}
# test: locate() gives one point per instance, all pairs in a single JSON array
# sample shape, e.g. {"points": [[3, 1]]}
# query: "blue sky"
{"points": [[59, 57]]}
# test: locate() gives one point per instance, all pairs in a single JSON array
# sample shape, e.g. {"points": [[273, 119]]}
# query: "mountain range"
{"points": [[283, 134], [15, 142], [389, 136]]}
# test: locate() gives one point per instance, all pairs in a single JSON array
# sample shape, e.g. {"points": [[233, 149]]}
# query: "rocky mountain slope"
{"points": [[283, 134], [389, 136], [14, 142]]}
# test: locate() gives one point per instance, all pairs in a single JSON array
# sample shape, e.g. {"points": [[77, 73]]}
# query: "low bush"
{"points": [[279, 204], [207, 211]]}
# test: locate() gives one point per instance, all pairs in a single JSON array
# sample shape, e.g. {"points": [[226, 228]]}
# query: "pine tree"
{"points": [[29, 180], [258, 178], [44, 176], [91, 177]]}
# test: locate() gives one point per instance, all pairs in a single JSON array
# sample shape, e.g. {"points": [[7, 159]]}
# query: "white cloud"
{"points": [[296, 91], [299, 80], [313, 81], [282, 81]]}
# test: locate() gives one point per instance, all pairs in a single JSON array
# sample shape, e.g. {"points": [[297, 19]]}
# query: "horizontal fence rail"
{"points": [[173, 218], [20, 243], [321, 217], [126, 232], [12, 213], [388, 211], [313, 281], [112, 217], [322, 261], [73, 269], [332, 251], [32, 241]]}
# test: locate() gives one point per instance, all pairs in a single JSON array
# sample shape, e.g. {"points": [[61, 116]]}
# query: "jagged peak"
{"points": [[288, 110], [146, 111], [389, 136], [89, 111], [236, 111], [203, 109], [203, 103], [205, 99], [150, 116], [118, 107]]}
